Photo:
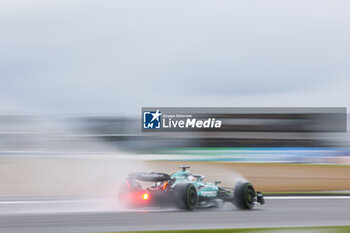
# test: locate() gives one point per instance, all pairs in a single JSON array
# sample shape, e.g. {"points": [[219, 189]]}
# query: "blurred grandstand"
{"points": [[255, 137]]}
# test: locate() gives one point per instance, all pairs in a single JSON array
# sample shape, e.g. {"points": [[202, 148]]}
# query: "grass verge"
{"points": [[331, 229], [327, 229]]}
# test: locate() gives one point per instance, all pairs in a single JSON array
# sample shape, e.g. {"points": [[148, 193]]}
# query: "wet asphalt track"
{"points": [[276, 213]]}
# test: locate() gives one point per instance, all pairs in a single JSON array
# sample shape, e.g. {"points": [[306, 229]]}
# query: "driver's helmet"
{"points": [[191, 178]]}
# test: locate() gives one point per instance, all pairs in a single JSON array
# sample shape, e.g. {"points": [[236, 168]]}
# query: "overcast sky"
{"points": [[113, 57]]}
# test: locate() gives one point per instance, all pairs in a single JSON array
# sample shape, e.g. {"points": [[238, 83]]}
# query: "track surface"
{"points": [[275, 213]]}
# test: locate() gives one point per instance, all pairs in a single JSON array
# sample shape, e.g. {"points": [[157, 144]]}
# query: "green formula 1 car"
{"points": [[185, 191]]}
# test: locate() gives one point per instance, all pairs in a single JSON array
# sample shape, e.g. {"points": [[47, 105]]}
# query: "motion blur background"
{"points": [[75, 74]]}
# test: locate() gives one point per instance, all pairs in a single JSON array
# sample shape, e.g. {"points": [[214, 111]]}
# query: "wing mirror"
{"points": [[217, 182]]}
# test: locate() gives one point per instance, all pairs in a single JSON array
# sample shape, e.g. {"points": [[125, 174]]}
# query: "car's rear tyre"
{"points": [[185, 196], [244, 195]]}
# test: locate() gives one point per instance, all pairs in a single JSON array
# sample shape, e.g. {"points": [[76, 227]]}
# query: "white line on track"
{"points": [[52, 201], [306, 197]]}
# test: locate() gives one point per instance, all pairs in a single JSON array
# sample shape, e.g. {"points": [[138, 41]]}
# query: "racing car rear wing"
{"points": [[149, 176]]}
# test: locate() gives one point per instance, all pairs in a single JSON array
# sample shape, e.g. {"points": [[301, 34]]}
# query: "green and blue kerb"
{"points": [[256, 154]]}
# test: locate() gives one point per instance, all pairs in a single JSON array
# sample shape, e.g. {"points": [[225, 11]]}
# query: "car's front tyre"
{"points": [[244, 195]]}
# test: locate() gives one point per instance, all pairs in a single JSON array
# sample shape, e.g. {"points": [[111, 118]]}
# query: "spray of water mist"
{"points": [[64, 162]]}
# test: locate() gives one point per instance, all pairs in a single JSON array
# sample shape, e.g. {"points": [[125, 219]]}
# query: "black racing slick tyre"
{"points": [[185, 196], [244, 195]]}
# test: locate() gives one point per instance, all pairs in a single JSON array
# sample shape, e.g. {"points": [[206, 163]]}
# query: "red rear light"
{"points": [[145, 196]]}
